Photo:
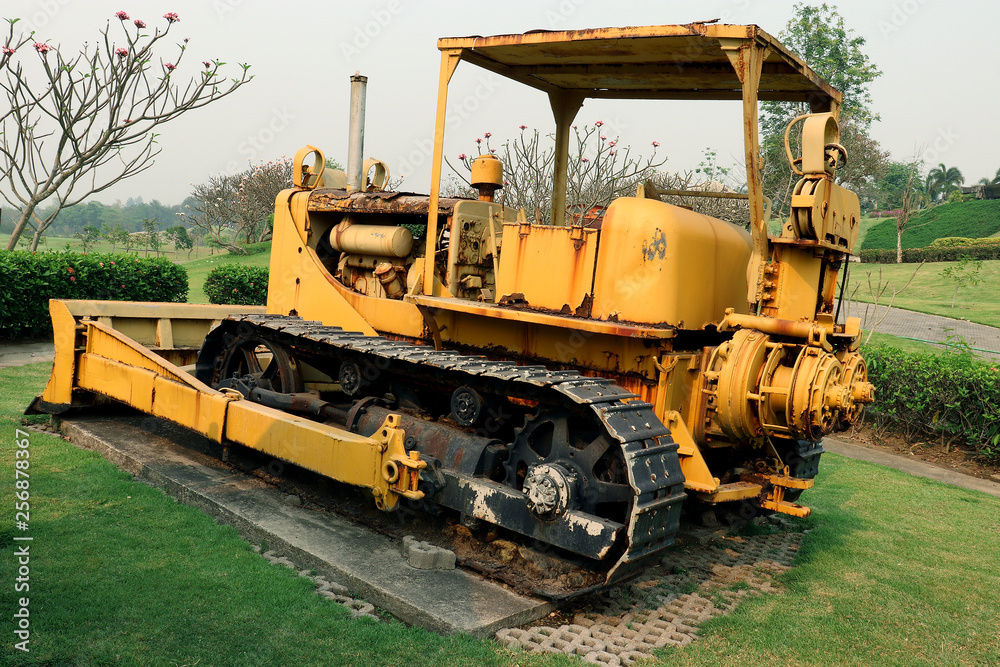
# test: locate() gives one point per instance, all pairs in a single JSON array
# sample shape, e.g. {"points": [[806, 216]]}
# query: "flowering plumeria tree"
{"points": [[230, 208], [599, 170], [87, 121]]}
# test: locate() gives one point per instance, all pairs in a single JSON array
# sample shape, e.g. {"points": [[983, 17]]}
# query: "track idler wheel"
{"points": [[350, 378], [466, 406], [267, 364]]}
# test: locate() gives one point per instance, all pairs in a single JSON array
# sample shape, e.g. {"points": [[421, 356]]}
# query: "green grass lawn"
{"points": [[904, 344], [866, 224], [896, 570], [931, 292]]}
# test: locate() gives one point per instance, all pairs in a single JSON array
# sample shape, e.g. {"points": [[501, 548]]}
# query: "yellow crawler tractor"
{"points": [[574, 385]]}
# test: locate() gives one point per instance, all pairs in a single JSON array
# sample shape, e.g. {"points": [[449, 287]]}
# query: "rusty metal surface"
{"points": [[376, 202], [546, 318], [620, 62]]}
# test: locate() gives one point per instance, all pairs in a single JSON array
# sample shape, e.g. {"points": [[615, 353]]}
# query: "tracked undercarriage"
{"points": [[567, 460]]}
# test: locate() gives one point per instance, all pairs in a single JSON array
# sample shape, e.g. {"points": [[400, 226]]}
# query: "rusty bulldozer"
{"points": [[572, 385]]}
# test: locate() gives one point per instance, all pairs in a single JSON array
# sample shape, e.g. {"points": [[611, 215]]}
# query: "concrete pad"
{"points": [[912, 466], [370, 565]]}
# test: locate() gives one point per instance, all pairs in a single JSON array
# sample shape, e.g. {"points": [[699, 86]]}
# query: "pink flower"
{"points": [[170, 67], [42, 48], [123, 287], [599, 123], [603, 138], [462, 156], [122, 16], [207, 64], [101, 263], [656, 144], [611, 152], [8, 51], [121, 52], [140, 24], [612, 143], [70, 269], [493, 150], [523, 127], [488, 135], [583, 159], [171, 17], [112, 263], [479, 141]]}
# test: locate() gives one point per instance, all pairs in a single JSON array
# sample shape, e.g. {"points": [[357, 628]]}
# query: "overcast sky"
{"points": [[939, 91]]}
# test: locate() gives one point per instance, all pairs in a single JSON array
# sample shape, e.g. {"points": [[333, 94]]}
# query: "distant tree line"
{"points": [[130, 216]]}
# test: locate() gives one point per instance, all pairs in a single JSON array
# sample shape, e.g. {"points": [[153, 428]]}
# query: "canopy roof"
{"points": [[648, 62]]}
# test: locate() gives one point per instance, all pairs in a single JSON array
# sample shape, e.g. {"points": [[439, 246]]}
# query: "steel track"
{"points": [[650, 455]]}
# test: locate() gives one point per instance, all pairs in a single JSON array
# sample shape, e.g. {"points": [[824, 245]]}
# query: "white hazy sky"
{"points": [[939, 89]]}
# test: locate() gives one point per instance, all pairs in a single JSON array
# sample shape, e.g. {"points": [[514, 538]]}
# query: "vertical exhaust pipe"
{"points": [[356, 127]]}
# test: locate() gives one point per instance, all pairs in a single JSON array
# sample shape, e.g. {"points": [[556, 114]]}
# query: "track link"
{"points": [[649, 454]]}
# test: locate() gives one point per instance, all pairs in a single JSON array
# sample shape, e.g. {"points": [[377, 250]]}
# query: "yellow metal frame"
{"points": [[96, 358], [638, 62]]}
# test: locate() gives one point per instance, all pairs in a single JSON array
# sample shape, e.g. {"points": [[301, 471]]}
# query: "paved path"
{"points": [[914, 467], [19, 354], [931, 328]]}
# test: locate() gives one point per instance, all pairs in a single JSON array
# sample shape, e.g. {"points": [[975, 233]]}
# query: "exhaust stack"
{"points": [[356, 128]]}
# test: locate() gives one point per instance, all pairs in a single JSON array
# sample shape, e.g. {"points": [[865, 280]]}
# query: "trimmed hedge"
{"points": [[28, 280], [237, 284], [957, 241], [953, 397], [939, 254]]}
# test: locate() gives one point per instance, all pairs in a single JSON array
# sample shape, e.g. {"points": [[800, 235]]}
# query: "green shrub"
{"points": [[28, 280], [237, 284], [932, 254], [952, 397], [972, 219], [959, 241]]}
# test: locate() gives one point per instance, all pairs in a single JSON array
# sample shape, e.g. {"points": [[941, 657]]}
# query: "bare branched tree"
{"points": [[911, 203], [255, 193], [873, 310], [599, 171], [210, 212], [231, 208], [87, 122]]}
